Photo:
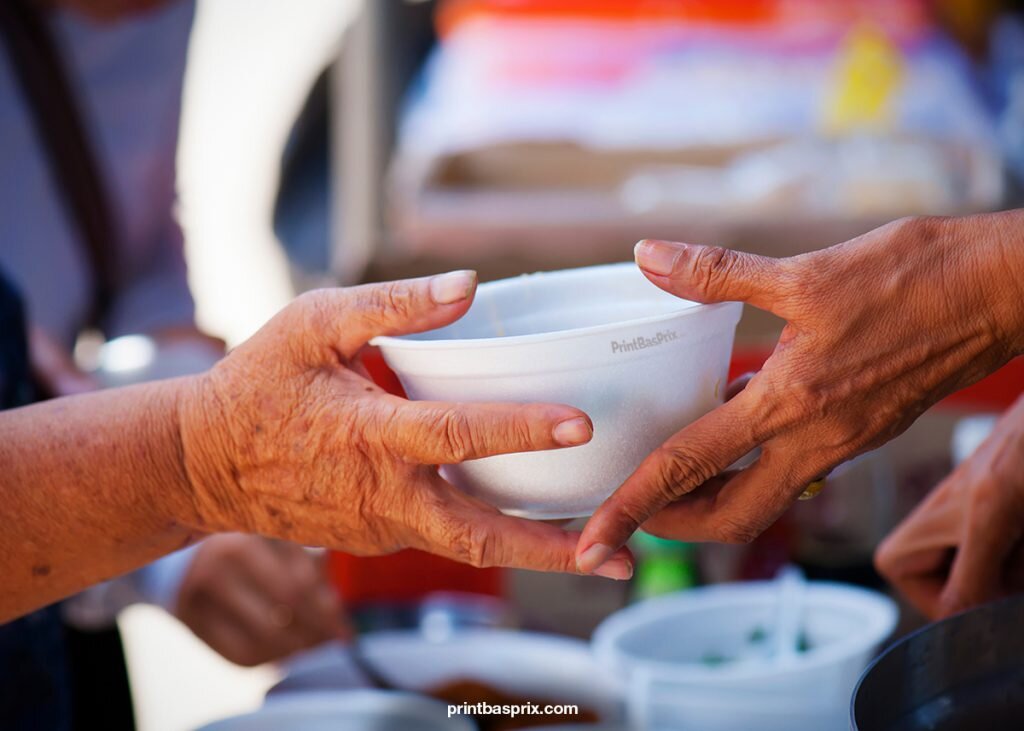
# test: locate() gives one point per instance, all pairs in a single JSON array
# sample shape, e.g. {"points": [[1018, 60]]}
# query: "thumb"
{"points": [[686, 461], [711, 274], [346, 319]]}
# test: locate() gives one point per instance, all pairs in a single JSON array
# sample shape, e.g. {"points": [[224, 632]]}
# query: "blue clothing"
{"points": [[34, 680], [128, 78], [15, 381]]}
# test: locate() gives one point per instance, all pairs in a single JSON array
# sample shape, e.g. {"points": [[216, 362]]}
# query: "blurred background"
{"points": [[338, 141]]}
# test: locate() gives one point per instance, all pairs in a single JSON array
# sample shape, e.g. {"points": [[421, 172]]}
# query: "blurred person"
{"points": [[90, 99], [284, 438], [877, 330], [962, 546]]}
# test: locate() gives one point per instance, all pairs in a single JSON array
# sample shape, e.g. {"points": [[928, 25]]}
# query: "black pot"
{"points": [[965, 673]]}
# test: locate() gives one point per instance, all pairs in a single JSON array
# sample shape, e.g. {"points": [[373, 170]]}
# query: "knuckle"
{"points": [[390, 300], [520, 433], [736, 530], [465, 541], [456, 434], [681, 470], [471, 544], [807, 399], [630, 516], [483, 549], [769, 408], [712, 266]]}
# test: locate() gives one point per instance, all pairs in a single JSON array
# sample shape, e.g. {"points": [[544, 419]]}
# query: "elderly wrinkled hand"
{"points": [[878, 329], [286, 438], [964, 545]]}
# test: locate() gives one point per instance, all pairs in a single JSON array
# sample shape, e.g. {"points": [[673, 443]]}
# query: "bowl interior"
{"points": [[719, 630], [532, 665], [548, 302]]}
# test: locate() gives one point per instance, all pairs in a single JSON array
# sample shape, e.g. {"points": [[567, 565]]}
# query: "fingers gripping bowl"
{"points": [[642, 363]]}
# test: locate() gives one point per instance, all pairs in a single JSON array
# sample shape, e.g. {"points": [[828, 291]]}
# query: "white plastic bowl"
{"points": [[639, 361], [530, 665], [659, 647], [354, 710]]}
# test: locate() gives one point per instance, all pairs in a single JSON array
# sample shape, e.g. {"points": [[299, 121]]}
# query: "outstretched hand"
{"points": [[286, 438], [878, 329]]}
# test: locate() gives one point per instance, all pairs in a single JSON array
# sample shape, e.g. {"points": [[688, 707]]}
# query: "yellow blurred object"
{"points": [[868, 74]]}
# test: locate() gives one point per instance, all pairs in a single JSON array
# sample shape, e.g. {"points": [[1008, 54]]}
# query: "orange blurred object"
{"points": [[737, 13], [406, 576]]}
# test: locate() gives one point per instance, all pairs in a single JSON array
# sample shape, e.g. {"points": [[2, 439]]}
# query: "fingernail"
{"points": [[656, 257], [572, 432], [619, 569], [446, 289], [591, 559]]}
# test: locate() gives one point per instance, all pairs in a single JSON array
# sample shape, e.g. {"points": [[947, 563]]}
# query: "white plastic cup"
{"points": [[658, 647], [639, 361]]}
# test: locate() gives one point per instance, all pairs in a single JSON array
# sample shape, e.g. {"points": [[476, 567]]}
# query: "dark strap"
{"points": [[43, 78], [15, 376]]}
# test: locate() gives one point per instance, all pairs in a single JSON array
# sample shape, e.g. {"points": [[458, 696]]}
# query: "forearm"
{"points": [[92, 486]]}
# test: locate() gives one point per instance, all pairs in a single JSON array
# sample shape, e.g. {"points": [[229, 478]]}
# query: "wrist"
{"points": [[207, 473], [1008, 246], [167, 497], [997, 239]]}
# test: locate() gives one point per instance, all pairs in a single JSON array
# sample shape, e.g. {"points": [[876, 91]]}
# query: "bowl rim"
{"points": [[603, 690], [689, 309], [880, 618]]}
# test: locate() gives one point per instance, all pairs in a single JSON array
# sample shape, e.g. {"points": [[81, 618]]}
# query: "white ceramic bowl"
{"points": [[661, 647], [639, 361]]}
